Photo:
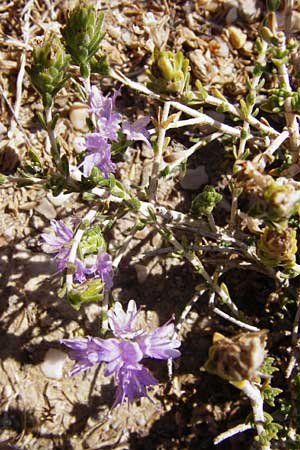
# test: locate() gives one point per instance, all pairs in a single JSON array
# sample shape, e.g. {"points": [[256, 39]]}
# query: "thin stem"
{"points": [[295, 339], [290, 116], [205, 119], [255, 397], [181, 321], [261, 60], [232, 432], [276, 143], [199, 268], [159, 153], [231, 319], [212, 223], [245, 132], [51, 134], [104, 311], [214, 101], [117, 75]]}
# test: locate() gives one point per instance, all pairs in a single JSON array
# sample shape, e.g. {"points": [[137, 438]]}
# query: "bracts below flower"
{"points": [[96, 265]]}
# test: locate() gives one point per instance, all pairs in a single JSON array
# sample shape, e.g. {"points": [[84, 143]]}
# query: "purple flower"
{"points": [[94, 141], [103, 107], [60, 243], [89, 351], [104, 268], [123, 325], [157, 344], [132, 383], [80, 271], [99, 155], [124, 352], [137, 131]]}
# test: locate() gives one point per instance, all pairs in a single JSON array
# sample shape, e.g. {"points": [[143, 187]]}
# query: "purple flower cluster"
{"points": [[102, 268], [108, 125], [124, 352], [60, 244]]}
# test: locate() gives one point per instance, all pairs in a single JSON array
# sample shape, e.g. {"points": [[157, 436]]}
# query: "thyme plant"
{"points": [[264, 235]]}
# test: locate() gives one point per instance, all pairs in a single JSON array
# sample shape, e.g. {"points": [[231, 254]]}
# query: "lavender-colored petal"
{"points": [[104, 268], [63, 235], [137, 131], [87, 164], [123, 324], [60, 243], [52, 241], [96, 100], [108, 126], [132, 383], [80, 271], [89, 351], [159, 343], [61, 230], [100, 105], [100, 159], [95, 141], [126, 353], [61, 263]]}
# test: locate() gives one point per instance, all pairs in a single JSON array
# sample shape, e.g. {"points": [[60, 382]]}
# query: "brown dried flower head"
{"points": [[237, 358]]}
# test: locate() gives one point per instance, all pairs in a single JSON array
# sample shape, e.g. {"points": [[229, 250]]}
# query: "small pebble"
{"points": [[78, 115], [237, 37], [46, 209], [53, 364], [58, 200]]}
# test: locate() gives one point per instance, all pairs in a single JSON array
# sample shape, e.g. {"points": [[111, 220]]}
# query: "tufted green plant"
{"points": [[169, 73], [205, 202]]}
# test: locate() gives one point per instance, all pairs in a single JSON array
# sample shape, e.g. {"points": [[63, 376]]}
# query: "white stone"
{"points": [[52, 366], [78, 115], [58, 200]]}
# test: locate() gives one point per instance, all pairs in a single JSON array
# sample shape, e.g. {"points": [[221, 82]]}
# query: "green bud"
{"points": [[205, 202], [166, 67], [92, 241], [48, 69], [82, 36], [169, 73], [267, 36]]}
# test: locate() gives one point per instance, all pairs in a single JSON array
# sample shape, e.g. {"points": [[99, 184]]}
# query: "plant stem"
{"points": [[255, 397], [51, 135], [158, 155]]}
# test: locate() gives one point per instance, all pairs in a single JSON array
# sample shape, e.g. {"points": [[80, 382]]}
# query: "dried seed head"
{"points": [[237, 358], [277, 247]]}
